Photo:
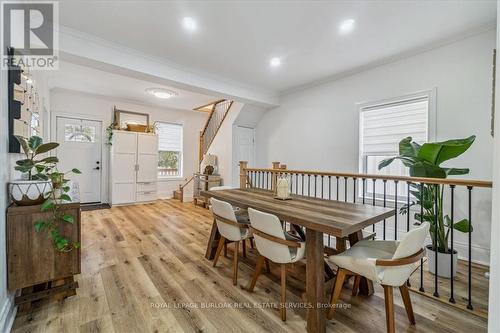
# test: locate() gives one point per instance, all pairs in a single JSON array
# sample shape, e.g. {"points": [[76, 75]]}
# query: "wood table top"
{"points": [[336, 218]]}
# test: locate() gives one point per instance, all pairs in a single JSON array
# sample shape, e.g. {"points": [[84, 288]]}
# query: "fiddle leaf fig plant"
{"points": [[33, 166], [38, 168], [425, 161]]}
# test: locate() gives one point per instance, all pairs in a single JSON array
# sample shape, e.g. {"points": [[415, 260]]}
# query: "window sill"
{"points": [[171, 179]]}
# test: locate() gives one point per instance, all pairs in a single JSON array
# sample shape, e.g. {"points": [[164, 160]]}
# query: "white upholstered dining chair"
{"points": [[276, 245], [231, 228], [389, 263]]}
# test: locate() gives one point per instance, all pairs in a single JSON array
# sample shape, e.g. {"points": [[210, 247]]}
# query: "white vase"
{"points": [[29, 192], [443, 264]]}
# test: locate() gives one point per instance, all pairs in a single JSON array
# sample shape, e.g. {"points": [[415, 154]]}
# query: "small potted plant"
{"points": [[34, 186], [425, 161]]}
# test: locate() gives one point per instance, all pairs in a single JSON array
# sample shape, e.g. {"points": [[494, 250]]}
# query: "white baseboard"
{"points": [[7, 314]]}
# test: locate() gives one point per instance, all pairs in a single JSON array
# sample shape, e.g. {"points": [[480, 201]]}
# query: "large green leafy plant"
{"points": [[38, 168], [425, 161]]}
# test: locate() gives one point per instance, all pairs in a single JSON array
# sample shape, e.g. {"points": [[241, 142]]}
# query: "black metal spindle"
{"points": [[315, 184], [452, 218], [396, 209], [421, 218], [262, 181], [408, 206], [469, 303], [291, 182], [373, 199], [354, 180], [329, 187], [296, 183], [322, 184], [337, 187], [436, 189], [345, 189], [258, 179], [385, 204]]}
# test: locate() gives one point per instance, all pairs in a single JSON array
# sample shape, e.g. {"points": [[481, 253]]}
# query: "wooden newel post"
{"points": [[243, 174], [274, 179]]}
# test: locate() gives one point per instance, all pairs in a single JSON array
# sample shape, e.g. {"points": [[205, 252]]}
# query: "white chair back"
{"points": [[271, 225], [225, 210], [410, 244]]}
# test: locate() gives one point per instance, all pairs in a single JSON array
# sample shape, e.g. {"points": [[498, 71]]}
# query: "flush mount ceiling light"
{"points": [[161, 93], [275, 62], [189, 23], [346, 26]]}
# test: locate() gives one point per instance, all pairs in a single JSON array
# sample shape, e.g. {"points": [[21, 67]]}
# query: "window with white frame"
{"points": [[382, 126], [169, 149]]}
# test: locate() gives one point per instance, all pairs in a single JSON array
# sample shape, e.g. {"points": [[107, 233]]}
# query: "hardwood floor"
{"points": [[143, 270]]}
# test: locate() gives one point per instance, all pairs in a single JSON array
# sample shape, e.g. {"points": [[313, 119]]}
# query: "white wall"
{"points": [[317, 128], [7, 312], [72, 103], [494, 302], [222, 146]]}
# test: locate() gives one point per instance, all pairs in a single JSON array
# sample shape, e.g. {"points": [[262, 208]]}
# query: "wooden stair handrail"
{"points": [[425, 180], [185, 184]]}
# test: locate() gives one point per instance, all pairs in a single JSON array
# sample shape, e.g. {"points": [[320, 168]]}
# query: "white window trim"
{"points": [[181, 164], [431, 95]]}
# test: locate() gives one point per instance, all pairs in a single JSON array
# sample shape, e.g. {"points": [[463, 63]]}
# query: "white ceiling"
{"points": [[235, 40], [88, 80]]}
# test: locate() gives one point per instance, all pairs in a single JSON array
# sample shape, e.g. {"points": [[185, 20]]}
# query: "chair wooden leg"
{"points": [[244, 246], [235, 262], [405, 294], [337, 289], [252, 244], [355, 285], [268, 268], [258, 269], [389, 308], [222, 242], [225, 250], [283, 292]]}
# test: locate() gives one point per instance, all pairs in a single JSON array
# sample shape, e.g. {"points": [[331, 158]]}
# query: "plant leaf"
{"points": [[462, 226], [426, 169], [50, 159], [76, 171], [438, 152], [46, 147], [24, 144], [408, 148], [34, 142], [456, 171], [66, 188], [22, 168], [68, 218], [65, 197], [25, 162], [40, 225], [40, 176], [385, 162], [47, 205], [76, 245]]}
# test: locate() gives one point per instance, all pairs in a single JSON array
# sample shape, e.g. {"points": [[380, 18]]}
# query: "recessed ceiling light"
{"points": [[189, 23], [347, 26], [161, 93], [275, 62]]}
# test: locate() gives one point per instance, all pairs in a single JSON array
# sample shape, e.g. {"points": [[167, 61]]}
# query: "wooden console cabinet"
{"points": [[32, 261]]}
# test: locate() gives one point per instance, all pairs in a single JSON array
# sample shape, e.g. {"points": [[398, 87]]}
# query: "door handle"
{"points": [[97, 168]]}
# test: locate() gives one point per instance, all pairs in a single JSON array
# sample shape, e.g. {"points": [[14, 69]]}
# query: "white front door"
{"points": [[80, 145], [244, 150]]}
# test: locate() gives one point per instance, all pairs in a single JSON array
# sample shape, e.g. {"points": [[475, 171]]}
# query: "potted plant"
{"points": [[34, 186], [425, 161]]}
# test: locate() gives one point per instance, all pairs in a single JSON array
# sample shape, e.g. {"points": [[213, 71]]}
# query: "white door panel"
{"points": [[125, 168], [80, 145], [148, 168], [244, 151], [124, 193], [147, 144], [127, 142]]}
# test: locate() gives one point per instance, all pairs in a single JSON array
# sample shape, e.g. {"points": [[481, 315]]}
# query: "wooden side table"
{"points": [[33, 265]]}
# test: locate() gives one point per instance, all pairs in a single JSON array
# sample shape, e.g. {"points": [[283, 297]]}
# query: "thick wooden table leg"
{"points": [[316, 319], [213, 241], [365, 285]]}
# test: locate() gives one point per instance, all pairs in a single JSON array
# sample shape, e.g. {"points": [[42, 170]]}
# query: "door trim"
{"points": [[104, 147], [235, 176]]}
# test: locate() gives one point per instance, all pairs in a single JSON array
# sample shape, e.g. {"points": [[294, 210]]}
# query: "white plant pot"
{"points": [[443, 264], [29, 192]]}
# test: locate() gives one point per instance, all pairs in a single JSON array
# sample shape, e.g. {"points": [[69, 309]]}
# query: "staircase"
{"points": [[218, 111]]}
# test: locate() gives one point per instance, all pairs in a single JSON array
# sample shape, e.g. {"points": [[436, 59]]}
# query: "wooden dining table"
{"points": [[318, 217]]}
